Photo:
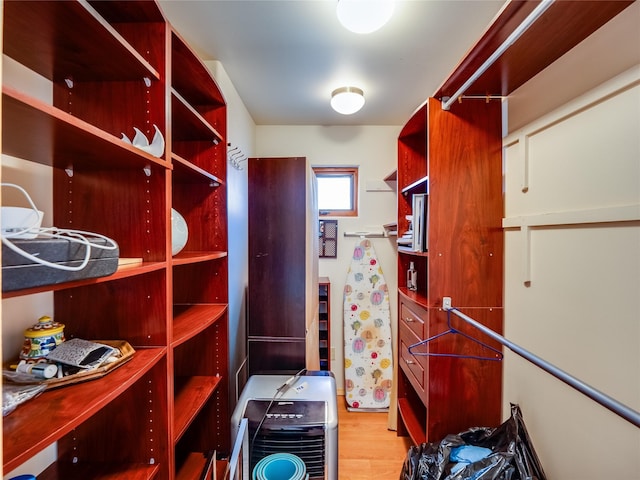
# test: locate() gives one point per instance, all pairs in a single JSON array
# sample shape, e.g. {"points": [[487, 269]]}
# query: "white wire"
{"points": [[72, 236]]}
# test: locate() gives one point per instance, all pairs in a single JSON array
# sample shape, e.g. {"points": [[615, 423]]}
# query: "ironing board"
{"points": [[368, 368]]}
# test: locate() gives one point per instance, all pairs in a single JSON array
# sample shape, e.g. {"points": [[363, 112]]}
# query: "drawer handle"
{"points": [[409, 362], [409, 319]]}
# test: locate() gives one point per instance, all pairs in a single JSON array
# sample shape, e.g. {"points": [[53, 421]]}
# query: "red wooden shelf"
{"points": [[59, 411], [414, 426], [99, 471], [191, 395], [188, 123], [61, 136], [189, 320], [186, 172], [184, 258], [58, 52], [190, 77], [122, 272]]}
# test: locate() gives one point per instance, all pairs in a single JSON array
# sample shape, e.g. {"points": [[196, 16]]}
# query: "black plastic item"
{"points": [[512, 455]]}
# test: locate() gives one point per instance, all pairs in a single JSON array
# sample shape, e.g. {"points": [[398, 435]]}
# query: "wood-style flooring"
{"points": [[367, 450]]}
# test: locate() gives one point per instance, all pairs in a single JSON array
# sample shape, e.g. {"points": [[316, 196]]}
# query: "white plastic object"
{"points": [[446, 303], [76, 236], [20, 222]]}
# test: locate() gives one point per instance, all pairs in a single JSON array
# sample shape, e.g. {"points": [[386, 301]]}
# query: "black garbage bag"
{"points": [[502, 453]]}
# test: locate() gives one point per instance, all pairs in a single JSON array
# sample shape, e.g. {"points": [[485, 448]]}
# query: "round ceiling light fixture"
{"points": [[364, 16], [347, 100]]}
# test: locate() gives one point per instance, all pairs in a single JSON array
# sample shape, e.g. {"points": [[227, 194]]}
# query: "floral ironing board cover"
{"points": [[368, 358]]}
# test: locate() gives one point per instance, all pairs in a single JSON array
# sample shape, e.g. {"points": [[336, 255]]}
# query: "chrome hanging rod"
{"points": [[517, 33], [365, 234], [603, 399]]}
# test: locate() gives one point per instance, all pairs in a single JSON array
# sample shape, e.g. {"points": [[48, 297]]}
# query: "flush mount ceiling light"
{"points": [[347, 100], [364, 16]]}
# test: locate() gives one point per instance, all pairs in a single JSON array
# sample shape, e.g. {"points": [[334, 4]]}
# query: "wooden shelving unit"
{"points": [[455, 157], [113, 66], [457, 162], [324, 322]]}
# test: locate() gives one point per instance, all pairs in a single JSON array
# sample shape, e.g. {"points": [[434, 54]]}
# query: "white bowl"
{"points": [[179, 232], [17, 219]]}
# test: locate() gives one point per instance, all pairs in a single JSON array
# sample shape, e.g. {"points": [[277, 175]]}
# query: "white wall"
{"points": [[241, 137], [21, 312], [571, 294], [373, 150]]}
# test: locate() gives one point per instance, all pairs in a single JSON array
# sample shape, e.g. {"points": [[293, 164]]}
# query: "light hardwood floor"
{"points": [[367, 450]]}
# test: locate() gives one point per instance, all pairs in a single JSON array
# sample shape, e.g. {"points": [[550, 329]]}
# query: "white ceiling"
{"points": [[284, 57]]}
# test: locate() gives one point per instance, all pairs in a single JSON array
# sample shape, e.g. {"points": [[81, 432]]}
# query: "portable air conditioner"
{"points": [[292, 414]]}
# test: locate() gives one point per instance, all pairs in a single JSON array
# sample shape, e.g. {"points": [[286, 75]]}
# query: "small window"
{"points": [[337, 191]]}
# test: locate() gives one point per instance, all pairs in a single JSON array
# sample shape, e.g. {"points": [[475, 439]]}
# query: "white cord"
{"points": [[72, 236]]}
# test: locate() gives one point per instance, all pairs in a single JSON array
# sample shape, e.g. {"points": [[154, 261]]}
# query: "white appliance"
{"points": [[292, 414]]}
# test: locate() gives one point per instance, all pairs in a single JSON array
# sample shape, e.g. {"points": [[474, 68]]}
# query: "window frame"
{"points": [[352, 172]]}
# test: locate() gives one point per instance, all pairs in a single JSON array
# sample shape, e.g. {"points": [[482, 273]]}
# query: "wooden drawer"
{"points": [[412, 366], [413, 318]]}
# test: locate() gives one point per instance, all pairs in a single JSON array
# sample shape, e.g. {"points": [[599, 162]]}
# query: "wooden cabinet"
{"points": [[454, 157], [283, 266], [324, 322], [113, 66]]}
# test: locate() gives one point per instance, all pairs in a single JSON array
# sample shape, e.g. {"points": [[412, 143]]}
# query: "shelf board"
{"points": [[186, 258], [416, 430], [424, 181], [188, 124], [409, 251], [61, 136], [103, 471], [58, 52], [189, 320], [190, 77], [186, 172], [414, 297], [392, 177], [192, 394], [125, 271], [128, 12], [67, 407]]}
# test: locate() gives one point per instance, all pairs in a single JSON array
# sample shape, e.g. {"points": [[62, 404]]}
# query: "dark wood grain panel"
{"points": [[277, 247], [132, 309], [465, 204]]}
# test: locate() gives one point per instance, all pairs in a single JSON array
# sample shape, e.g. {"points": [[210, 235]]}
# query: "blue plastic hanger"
{"points": [[454, 331]]}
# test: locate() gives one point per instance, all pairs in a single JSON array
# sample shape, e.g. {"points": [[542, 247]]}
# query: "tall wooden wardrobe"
{"points": [[282, 308]]}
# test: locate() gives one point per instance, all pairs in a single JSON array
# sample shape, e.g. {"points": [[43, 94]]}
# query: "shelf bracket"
{"points": [[69, 171], [147, 170], [147, 81]]}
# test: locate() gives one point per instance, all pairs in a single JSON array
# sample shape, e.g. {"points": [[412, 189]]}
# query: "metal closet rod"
{"points": [[603, 399], [517, 33]]}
